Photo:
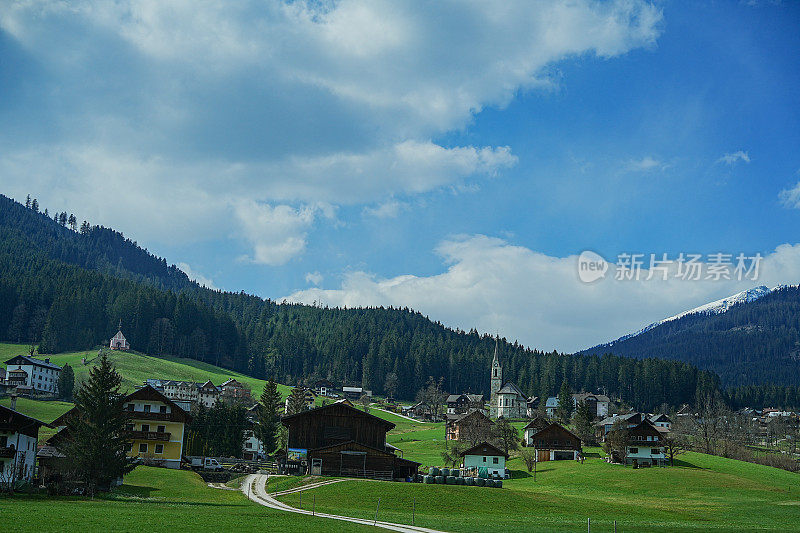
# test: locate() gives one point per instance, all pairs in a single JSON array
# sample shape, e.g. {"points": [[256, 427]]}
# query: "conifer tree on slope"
{"points": [[266, 429], [97, 434], [565, 404]]}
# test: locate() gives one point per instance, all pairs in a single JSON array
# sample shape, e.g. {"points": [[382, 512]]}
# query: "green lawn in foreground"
{"points": [[706, 493], [157, 499]]}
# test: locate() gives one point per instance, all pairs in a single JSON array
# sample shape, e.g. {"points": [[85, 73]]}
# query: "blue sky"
{"points": [[453, 157]]}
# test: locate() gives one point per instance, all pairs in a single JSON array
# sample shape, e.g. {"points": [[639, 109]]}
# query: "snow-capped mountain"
{"points": [[712, 308]]}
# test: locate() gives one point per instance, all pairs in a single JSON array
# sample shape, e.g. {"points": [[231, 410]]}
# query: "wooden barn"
{"points": [[554, 442], [338, 439]]}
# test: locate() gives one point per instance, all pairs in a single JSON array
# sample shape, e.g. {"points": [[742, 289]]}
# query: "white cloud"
{"points": [[732, 158], [314, 278], [537, 299], [284, 103], [277, 233], [389, 209], [196, 276], [645, 164], [791, 197]]}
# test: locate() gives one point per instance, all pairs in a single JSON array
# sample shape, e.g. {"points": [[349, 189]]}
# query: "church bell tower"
{"points": [[496, 380]]}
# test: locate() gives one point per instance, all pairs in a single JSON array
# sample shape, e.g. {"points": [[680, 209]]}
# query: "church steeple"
{"points": [[496, 376]]}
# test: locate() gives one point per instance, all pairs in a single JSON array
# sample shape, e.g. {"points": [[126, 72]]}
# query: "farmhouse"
{"points": [[459, 404], [644, 446], [485, 459], [338, 439], [474, 426], [553, 443], [155, 424], [354, 393], [40, 376], [19, 435], [534, 426], [324, 387]]}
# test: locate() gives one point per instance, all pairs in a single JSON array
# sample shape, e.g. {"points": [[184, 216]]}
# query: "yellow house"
{"points": [[156, 425]]}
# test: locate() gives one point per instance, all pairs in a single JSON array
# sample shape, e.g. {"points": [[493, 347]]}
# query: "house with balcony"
{"points": [[645, 445], [156, 425], [19, 436]]}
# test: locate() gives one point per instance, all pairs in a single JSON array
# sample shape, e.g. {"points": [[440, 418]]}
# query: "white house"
{"points": [[645, 445], [19, 435], [41, 376], [486, 456]]}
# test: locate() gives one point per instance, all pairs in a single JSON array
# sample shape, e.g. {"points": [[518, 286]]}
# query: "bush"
{"points": [[469, 481], [451, 480], [433, 471], [459, 481], [480, 482], [445, 472], [440, 480]]}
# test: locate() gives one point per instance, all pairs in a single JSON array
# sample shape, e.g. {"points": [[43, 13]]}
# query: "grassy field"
{"points": [[703, 493], [136, 367], [156, 499]]}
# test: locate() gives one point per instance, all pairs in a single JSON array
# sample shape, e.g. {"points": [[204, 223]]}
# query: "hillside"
{"points": [[754, 341], [58, 290]]}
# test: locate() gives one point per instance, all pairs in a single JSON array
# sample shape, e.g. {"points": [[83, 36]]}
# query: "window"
{"points": [[495, 460], [656, 451], [3, 441], [146, 408], [248, 445], [129, 407], [143, 447], [128, 427], [145, 427], [484, 459], [161, 429], [159, 448], [162, 409], [128, 446], [634, 450]]}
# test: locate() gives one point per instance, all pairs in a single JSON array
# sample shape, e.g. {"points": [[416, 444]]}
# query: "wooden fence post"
{"points": [[376, 512]]}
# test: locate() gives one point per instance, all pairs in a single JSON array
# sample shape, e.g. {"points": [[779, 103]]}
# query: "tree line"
{"points": [[69, 290]]}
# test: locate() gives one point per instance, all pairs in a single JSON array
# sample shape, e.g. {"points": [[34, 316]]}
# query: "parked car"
{"points": [[206, 463]]}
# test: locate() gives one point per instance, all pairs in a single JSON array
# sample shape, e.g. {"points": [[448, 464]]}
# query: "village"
{"points": [[328, 429]]}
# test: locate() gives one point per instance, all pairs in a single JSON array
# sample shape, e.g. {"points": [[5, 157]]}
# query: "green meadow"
{"points": [[157, 499], [701, 493]]}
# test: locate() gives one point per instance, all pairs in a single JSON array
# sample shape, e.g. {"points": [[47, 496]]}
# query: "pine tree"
{"points": [[565, 404], [266, 429], [73, 222], [85, 228], [66, 382], [584, 428], [95, 449], [28, 201], [62, 218], [35, 205], [297, 401]]}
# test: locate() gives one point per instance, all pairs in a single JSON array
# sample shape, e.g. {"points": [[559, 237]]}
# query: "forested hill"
{"points": [[68, 288], [753, 342], [92, 247]]}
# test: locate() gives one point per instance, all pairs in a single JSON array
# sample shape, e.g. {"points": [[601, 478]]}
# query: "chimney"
{"points": [[13, 402]]}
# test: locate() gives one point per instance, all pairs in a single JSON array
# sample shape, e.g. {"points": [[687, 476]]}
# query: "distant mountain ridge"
{"points": [[712, 308], [747, 338]]}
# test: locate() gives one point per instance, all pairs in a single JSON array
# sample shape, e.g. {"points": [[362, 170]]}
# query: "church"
{"points": [[507, 400]]}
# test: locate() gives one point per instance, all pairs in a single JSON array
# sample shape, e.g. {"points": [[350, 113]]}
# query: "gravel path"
{"points": [[253, 487]]}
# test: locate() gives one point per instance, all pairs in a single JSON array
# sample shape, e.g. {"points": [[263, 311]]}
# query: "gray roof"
{"points": [[583, 395], [26, 360], [510, 388]]}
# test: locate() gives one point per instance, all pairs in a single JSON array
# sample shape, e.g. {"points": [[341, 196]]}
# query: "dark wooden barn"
{"points": [[554, 442], [338, 439]]}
